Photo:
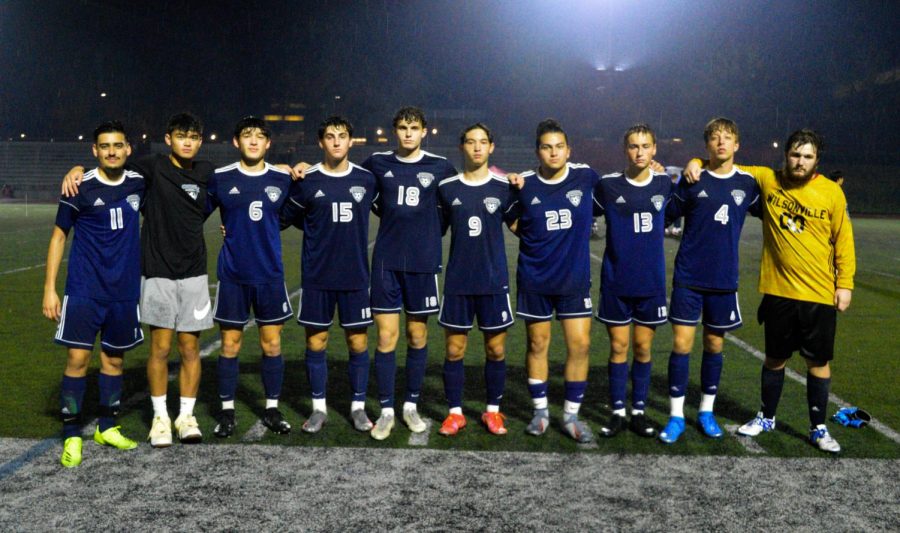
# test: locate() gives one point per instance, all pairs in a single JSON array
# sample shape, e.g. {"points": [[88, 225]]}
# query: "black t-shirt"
{"points": [[172, 244]]}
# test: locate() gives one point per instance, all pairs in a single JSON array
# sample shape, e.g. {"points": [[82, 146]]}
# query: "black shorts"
{"points": [[793, 325]]}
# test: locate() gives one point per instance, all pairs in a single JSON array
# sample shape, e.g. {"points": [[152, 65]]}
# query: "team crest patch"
{"points": [[657, 201], [358, 193], [274, 193], [738, 196], [425, 178], [192, 190], [134, 201], [574, 197], [491, 204]]}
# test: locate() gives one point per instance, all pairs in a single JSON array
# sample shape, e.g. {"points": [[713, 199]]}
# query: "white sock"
{"points": [[187, 406], [357, 405], [456, 410], [571, 408], [621, 412], [159, 406], [229, 404], [676, 406], [271, 403], [706, 402], [387, 411], [410, 406], [633, 411], [319, 405], [493, 408]]}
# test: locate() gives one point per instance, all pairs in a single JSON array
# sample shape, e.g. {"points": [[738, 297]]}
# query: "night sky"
{"points": [[773, 66]]}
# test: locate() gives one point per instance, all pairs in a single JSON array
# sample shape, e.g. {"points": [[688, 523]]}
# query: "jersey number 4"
{"points": [[557, 220], [722, 214]]}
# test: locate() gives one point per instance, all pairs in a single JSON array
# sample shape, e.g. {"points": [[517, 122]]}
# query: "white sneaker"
{"points": [[757, 425], [188, 429], [820, 437], [160, 432], [414, 421], [383, 427]]}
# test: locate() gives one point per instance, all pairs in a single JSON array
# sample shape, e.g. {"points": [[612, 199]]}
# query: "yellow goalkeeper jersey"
{"points": [[808, 246]]}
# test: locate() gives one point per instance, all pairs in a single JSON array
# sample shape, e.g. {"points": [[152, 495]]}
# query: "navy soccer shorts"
{"points": [[269, 301], [82, 318], [719, 311], [393, 291], [493, 311], [535, 307], [616, 310], [317, 308]]}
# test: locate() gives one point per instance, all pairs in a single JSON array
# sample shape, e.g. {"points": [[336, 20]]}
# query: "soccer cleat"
{"points": [[315, 422], [225, 426], [615, 425], [383, 427], [674, 428], [361, 422], [820, 437], [71, 455], [188, 429], [494, 421], [708, 425], [577, 429], [452, 424], [540, 420], [756, 426], [414, 421], [160, 432], [276, 423], [113, 437], [642, 425]]}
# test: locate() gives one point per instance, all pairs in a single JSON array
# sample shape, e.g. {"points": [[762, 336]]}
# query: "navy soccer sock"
{"points": [[71, 398], [679, 369], [272, 375], [710, 372], [316, 373], [416, 359], [817, 398], [110, 399], [385, 375], [640, 384], [771, 382], [227, 377], [494, 380], [574, 396], [454, 379], [358, 372], [618, 383]]}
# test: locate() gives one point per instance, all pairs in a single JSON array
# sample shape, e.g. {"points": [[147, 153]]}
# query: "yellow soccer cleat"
{"points": [[71, 455], [113, 437]]}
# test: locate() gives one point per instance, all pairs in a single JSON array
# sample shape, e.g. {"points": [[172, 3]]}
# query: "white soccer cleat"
{"points": [[756, 426], [383, 427], [820, 437], [414, 421], [188, 429], [160, 432]]}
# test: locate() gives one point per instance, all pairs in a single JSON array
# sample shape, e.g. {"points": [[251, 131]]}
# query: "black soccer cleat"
{"points": [[642, 425], [612, 428], [275, 422], [225, 426]]}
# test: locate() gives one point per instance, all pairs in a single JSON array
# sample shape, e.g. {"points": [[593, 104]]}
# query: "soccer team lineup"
{"points": [[138, 256]]}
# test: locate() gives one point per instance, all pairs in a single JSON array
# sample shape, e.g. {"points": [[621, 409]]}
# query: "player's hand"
{"points": [[842, 299], [51, 305], [222, 229], [299, 170], [692, 171], [657, 167], [516, 180], [72, 181]]}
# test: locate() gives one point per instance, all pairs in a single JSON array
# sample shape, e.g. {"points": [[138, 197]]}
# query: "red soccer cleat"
{"points": [[494, 422], [452, 424]]}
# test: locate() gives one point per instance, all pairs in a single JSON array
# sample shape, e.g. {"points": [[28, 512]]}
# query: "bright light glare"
{"points": [[774, 145], [379, 131], [434, 131], [212, 137], [102, 95], [601, 68]]}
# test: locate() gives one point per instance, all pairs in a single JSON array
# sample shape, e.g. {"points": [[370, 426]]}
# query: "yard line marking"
{"points": [[588, 445], [874, 424], [747, 442], [23, 269], [255, 433], [32, 453], [421, 439], [880, 273]]}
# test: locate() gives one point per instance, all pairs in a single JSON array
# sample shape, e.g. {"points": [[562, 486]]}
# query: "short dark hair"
{"points": [[251, 122], [185, 122], [835, 175], [548, 125], [409, 114], [110, 126], [337, 122], [805, 136], [639, 128], [476, 126], [720, 123]]}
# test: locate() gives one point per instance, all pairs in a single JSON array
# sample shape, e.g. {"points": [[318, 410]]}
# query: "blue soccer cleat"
{"points": [[707, 422], [674, 428]]}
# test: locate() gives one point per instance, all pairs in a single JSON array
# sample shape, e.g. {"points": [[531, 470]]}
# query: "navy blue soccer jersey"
{"points": [[333, 211], [475, 213], [249, 203], [634, 262], [714, 210], [105, 258], [554, 228], [409, 235]]}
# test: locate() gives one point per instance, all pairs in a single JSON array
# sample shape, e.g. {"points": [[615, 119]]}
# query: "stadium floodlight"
{"points": [[212, 136], [21, 135], [379, 131], [102, 95], [434, 131], [775, 144], [144, 137], [81, 137]]}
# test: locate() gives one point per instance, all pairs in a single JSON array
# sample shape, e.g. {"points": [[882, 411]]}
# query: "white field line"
{"points": [[23, 269], [421, 439], [255, 433], [747, 442]]}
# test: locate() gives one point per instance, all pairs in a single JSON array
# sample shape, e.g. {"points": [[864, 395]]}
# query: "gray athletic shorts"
{"points": [[182, 305]]}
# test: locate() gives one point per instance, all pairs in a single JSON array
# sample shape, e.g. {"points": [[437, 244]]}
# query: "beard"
{"points": [[798, 176]]}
